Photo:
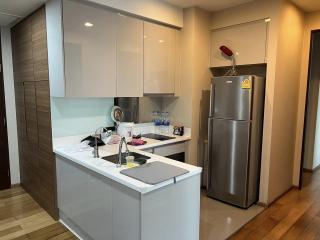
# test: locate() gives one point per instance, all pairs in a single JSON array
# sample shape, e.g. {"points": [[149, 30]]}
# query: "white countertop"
{"points": [[71, 149]]}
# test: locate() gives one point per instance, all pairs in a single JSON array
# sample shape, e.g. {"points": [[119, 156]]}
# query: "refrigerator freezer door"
{"points": [[228, 160], [231, 97]]}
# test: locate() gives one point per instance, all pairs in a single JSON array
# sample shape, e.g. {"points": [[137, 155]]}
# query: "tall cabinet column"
{"points": [[30, 66]]}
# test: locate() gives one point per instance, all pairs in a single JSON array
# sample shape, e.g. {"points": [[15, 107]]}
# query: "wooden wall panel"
{"points": [[31, 112], [44, 116], [22, 51], [30, 59], [20, 109], [39, 46]]}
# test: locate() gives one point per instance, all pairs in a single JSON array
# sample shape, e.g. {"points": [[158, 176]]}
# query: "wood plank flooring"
{"points": [[21, 218], [296, 215]]}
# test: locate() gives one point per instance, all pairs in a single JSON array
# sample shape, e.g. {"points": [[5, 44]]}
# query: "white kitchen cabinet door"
{"points": [[126, 213], [72, 185], [171, 149], [159, 59], [177, 80], [89, 50], [248, 42], [99, 215], [129, 56]]}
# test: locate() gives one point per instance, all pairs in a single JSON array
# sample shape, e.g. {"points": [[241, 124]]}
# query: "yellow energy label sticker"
{"points": [[246, 84]]}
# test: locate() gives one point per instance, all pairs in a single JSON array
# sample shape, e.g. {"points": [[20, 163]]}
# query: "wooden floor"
{"points": [[296, 215], [21, 218]]}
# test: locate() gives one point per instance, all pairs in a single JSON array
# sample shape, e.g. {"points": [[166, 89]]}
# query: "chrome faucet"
{"points": [[123, 140], [95, 151]]}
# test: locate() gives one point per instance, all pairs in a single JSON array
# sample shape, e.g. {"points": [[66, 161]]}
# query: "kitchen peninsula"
{"points": [[96, 201]]}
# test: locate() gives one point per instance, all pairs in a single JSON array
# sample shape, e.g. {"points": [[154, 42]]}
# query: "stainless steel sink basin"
{"points": [[138, 158]]}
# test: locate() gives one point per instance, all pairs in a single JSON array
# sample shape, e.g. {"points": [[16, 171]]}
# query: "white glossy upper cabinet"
{"points": [[129, 56], [159, 59], [248, 42], [89, 51]]}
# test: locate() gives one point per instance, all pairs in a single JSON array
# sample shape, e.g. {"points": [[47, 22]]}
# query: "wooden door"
{"points": [[4, 151]]}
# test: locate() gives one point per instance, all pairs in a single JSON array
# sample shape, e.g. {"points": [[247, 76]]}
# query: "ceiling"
{"points": [[217, 5], [308, 5], [13, 10], [210, 5]]}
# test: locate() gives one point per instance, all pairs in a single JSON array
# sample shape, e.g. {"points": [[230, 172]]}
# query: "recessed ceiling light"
{"points": [[88, 24], [160, 41]]}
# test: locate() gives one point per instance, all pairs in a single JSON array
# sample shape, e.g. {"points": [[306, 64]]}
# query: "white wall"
{"points": [[10, 105], [316, 155], [312, 22], [195, 76], [285, 105], [180, 108], [152, 9]]}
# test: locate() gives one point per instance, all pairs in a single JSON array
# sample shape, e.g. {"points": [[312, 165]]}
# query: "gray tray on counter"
{"points": [[154, 172]]}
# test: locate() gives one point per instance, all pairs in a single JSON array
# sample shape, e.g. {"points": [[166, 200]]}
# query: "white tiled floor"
{"points": [[219, 221]]}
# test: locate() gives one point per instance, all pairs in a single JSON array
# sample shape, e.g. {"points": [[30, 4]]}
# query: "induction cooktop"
{"points": [[157, 136]]}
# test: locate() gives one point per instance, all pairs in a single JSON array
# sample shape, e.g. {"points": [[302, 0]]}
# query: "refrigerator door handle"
{"points": [[209, 152], [212, 95]]}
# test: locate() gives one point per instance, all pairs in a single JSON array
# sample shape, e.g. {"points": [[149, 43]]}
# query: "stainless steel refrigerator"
{"points": [[235, 136]]}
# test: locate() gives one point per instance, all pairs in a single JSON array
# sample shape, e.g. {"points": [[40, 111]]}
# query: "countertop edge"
{"points": [[143, 190]]}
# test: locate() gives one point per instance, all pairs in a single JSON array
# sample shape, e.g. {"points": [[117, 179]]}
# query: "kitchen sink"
{"points": [[138, 158]]}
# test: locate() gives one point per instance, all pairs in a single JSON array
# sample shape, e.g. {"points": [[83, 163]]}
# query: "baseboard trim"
{"points": [[266, 205], [65, 223], [70, 229], [311, 170], [291, 188], [261, 204]]}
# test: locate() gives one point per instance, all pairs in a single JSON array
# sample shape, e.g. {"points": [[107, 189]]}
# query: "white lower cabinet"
{"points": [[126, 205], [175, 151], [73, 198], [149, 150], [99, 205], [171, 149], [98, 208]]}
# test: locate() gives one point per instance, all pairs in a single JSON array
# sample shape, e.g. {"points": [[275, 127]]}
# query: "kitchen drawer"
{"points": [[149, 150], [171, 149]]}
